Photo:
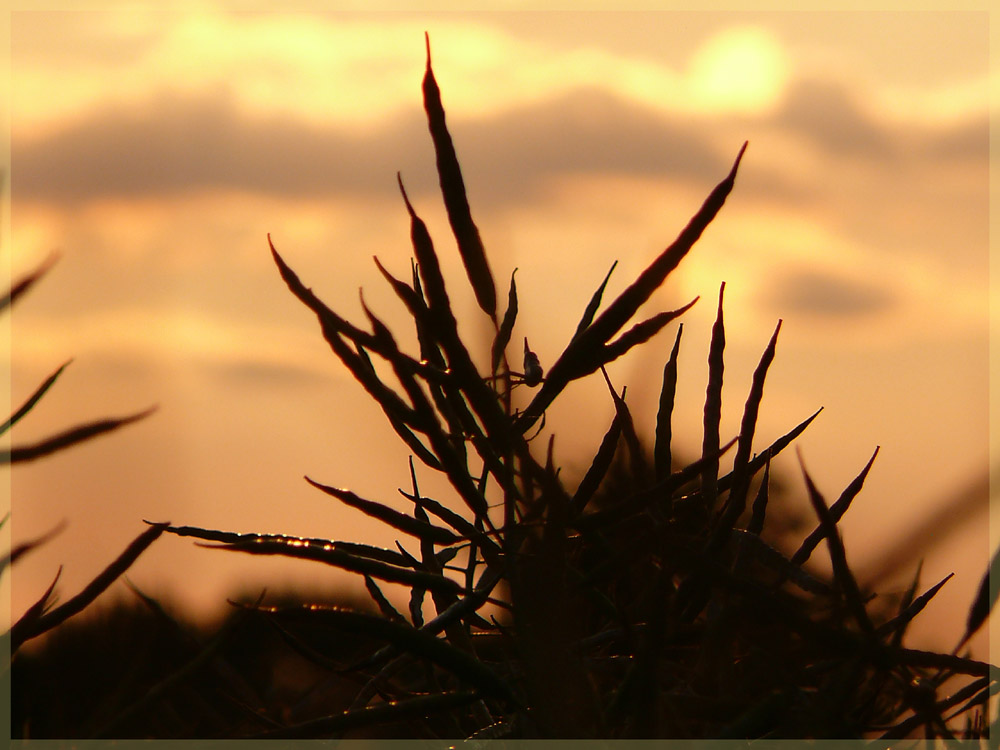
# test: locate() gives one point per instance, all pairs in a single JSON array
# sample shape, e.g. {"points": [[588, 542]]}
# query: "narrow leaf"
{"points": [[72, 436], [461, 609], [433, 370], [837, 511], [29, 620], [841, 570], [932, 660], [400, 414], [330, 321], [413, 442], [24, 284], [25, 547], [404, 370], [33, 399], [595, 302], [427, 261], [90, 592], [906, 601], [903, 618], [453, 519], [691, 471], [379, 329], [772, 450], [411, 561], [985, 601], [626, 304]]}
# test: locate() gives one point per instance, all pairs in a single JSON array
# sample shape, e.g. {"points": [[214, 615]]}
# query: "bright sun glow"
{"points": [[741, 68], [322, 69]]}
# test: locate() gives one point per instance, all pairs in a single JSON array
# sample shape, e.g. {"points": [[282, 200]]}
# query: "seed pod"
{"points": [[532, 369]]}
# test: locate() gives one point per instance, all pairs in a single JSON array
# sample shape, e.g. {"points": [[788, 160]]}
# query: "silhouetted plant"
{"points": [[43, 615], [660, 611]]}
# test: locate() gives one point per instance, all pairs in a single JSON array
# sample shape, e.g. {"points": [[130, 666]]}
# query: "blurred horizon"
{"points": [[155, 150]]}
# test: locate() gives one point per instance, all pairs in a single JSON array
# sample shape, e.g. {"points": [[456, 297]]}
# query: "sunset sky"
{"points": [[154, 150]]}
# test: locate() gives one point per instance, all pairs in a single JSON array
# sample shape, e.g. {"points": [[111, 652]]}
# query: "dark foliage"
{"points": [[639, 603]]}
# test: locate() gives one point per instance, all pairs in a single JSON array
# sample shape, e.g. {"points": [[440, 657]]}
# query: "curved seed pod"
{"points": [[598, 468], [737, 501], [584, 344], [407, 524], [465, 376], [626, 304], [661, 445], [837, 511], [353, 548], [470, 246], [335, 329], [454, 520], [595, 301], [641, 333], [659, 492], [772, 450], [758, 511], [506, 326], [841, 571], [637, 463], [384, 605], [329, 555], [713, 407]]}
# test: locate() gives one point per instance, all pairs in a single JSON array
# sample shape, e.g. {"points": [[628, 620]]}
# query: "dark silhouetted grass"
{"points": [[650, 609], [43, 616]]}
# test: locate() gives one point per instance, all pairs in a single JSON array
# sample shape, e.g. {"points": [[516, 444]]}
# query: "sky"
{"points": [[155, 150]]}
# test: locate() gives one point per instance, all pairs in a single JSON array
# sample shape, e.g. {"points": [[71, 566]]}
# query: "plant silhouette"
{"points": [[639, 608]]}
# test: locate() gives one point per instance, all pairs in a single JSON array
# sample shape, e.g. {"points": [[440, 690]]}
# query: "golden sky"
{"points": [[156, 149]]}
